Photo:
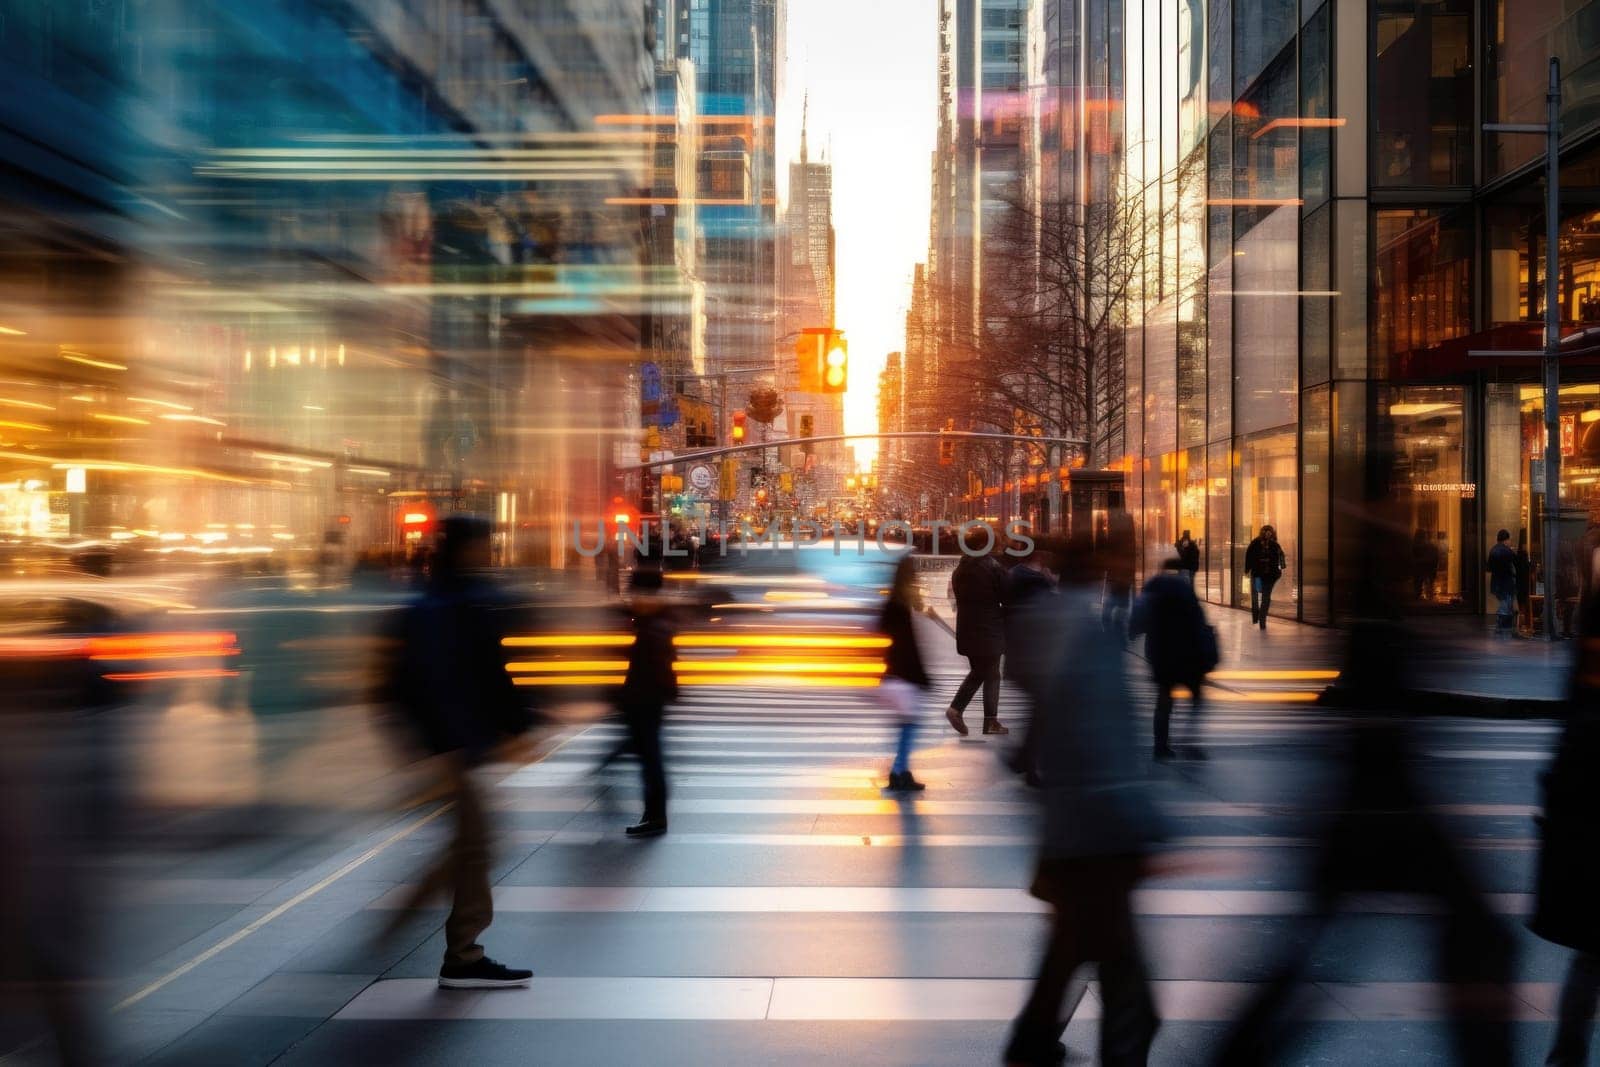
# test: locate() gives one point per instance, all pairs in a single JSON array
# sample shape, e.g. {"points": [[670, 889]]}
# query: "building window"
{"points": [[1423, 108], [1267, 487], [1423, 285], [1429, 485], [1523, 37]]}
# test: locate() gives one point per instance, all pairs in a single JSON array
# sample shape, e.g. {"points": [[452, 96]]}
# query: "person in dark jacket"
{"points": [[904, 677], [1502, 569], [1567, 908], [1177, 643], [1188, 557], [1263, 562], [1099, 829], [1524, 568], [649, 686], [1030, 606], [449, 676], [1121, 555], [979, 583]]}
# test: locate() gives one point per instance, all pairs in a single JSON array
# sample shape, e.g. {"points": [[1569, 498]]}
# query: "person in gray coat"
{"points": [[980, 590], [1099, 829]]}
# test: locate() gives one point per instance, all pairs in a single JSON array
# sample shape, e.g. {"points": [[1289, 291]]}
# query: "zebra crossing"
{"points": [[798, 913]]}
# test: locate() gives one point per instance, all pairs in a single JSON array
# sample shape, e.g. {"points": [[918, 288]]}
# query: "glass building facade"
{"points": [[1326, 238]]}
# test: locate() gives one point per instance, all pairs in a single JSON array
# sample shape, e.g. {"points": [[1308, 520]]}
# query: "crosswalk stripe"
{"points": [[914, 899], [902, 999]]}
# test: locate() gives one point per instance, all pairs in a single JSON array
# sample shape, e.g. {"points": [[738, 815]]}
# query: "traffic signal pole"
{"points": [[902, 435]]}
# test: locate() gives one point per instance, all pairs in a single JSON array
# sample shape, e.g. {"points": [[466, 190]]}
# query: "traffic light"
{"points": [[947, 446], [806, 426], [808, 348], [738, 427], [836, 366]]}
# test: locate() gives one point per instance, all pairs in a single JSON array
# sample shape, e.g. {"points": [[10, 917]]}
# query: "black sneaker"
{"points": [[1164, 754], [482, 974], [994, 726], [904, 783], [647, 828]]}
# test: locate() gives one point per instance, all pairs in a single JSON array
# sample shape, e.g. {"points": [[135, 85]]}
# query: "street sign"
{"points": [[700, 477]]}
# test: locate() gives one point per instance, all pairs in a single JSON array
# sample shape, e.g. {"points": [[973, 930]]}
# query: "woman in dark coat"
{"points": [[979, 583], [904, 677], [1568, 908]]}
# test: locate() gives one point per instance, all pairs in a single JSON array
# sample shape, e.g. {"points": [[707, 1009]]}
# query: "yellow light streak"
{"points": [[1295, 696], [117, 467], [160, 403], [13, 332], [569, 641], [556, 666], [32, 405], [194, 418], [786, 681], [129, 420], [1276, 676], [779, 641], [280, 457], [570, 679], [88, 362], [739, 666], [8, 424]]}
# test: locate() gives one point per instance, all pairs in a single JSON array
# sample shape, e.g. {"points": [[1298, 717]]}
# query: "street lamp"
{"points": [[1551, 129]]}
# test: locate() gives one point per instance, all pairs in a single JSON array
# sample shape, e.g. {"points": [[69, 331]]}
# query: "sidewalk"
{"points": [[1461, 670]]}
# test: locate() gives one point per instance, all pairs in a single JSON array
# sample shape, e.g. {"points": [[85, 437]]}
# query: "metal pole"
{"points": [[1552, 350]]}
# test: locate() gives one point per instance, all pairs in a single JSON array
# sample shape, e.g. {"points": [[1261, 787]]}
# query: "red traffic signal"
{"points": [[738, 427]]}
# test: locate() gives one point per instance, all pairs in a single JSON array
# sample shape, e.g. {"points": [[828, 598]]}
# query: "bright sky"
{"points": [[870, 68]]}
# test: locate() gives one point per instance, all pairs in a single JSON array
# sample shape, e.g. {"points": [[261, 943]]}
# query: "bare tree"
{"points": [[1061, 282]]}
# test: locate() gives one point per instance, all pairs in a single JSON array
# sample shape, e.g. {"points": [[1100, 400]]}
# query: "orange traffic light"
{"points": [[738, 427], [836, 366]]}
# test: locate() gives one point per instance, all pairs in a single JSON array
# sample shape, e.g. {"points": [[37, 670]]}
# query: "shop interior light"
{"points": [[1592, 415], [1421, 409]]}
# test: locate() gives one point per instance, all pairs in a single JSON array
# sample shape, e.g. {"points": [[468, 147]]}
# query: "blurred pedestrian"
{"points": [[1188, 557], [649, 686], [1502, 570], [1099, 827], [1567, 910], [1179, 645], [904, 677], [1264, 562], [1120, 552], [1524, 571], [1383, 835], [449, 675], [979, 584], [1424, 564], [1030, 614]]}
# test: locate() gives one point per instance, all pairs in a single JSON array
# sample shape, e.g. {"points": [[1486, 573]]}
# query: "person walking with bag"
{"points": [[1567, 908], [979, 583], [904, 677], [1179, 645], [1264, 562]]}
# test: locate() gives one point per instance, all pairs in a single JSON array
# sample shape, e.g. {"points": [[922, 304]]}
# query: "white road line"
{"points": [[899, 999], [923, 900]]}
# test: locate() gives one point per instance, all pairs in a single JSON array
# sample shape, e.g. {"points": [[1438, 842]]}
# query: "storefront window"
{"points": [[1267, 484], [1316, 102], [1423, 107], [1580, 480], [1423, 287], [1516, 239], [1316, 473], [1430, 484], [1219, 548], [1192, 504]]}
